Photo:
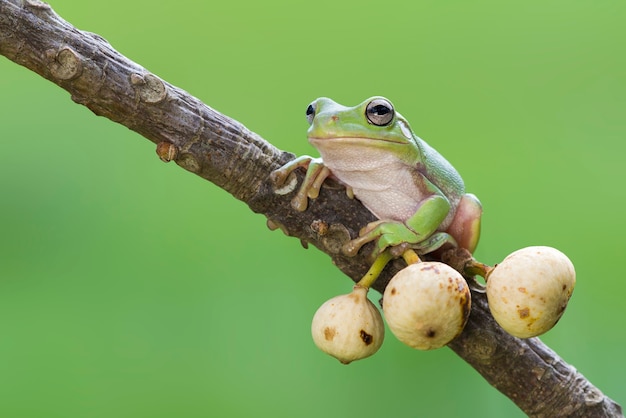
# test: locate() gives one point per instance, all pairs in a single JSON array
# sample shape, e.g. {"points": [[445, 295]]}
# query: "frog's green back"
{"points": [[440, 171]]}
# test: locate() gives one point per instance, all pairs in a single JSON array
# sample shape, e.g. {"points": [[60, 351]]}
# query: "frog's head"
{"points": [[373, 123]]}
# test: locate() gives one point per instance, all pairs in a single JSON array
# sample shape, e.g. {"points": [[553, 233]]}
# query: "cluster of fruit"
{"points": [[427, 304]]}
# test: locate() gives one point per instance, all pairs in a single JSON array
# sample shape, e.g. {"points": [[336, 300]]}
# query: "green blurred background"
{"points": [[110, 309]]}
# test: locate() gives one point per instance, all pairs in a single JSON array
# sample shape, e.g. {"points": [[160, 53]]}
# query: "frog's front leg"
{"points": [[419, 227], [316, 173]]}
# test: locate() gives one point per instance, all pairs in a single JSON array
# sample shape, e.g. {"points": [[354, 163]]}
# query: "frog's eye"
{"points": [[379, 112], [310, 113]]}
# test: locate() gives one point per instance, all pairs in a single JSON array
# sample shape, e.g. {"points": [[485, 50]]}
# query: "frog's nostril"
{"points": [[335, 118]]}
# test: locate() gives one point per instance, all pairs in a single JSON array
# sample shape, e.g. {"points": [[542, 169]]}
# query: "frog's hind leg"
{"points": [[465, 227], [435, 242]]}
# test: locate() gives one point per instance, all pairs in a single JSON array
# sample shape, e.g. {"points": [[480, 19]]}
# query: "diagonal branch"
{"points": [[223, 151]]}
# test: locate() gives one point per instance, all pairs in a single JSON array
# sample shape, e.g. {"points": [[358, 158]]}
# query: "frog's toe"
{"points": [[278, 177], [352, 247], [300, 201], [367, 229]]}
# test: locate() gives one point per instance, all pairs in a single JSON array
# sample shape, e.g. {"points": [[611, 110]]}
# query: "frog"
{"points": [[417, 196]]}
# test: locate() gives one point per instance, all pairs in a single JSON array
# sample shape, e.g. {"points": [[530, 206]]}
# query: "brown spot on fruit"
{"points": [[430, 333], [524, 313], [393, 291], [356, 298], [432, 267], [466, 304], [367, 338], [329, 333], [522, 289]]}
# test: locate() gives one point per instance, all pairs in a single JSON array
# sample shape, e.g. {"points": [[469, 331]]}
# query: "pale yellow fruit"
{"points": [[348, 327], [427, 305], [529, 290]]}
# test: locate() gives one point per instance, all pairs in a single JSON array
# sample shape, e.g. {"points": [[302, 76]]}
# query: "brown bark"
{"points": [[225, 152]]}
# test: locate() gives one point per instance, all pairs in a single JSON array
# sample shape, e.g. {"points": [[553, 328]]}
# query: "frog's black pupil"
{"points": [[310, 110], [380, 110]]}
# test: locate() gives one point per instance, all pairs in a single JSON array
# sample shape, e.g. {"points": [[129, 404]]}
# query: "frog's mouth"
{"points": [[360, 140]]}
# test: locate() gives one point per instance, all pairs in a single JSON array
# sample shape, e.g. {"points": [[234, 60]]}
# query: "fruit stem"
{"points": [[374, 271], [410, 257], [474, 267]]}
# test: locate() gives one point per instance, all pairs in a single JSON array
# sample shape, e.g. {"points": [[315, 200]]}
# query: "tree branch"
{"points": [[223, 151]]}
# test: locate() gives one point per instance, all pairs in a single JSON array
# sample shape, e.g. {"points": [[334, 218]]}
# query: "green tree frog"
{"points": [[416, 194]]}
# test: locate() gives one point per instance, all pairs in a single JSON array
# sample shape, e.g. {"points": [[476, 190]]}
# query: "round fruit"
{"points": [[529, 290], [348, 327], [427, 305]]}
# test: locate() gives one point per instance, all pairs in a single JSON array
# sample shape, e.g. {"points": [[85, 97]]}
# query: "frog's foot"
{"points": [[385, 233], [349, 192], [396, 237], [316, 173], [310, 188], [432, 243], [279, 176]]}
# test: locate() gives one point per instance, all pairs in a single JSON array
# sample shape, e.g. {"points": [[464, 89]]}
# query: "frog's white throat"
{"points": [[379, 179], [355, 154]]}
